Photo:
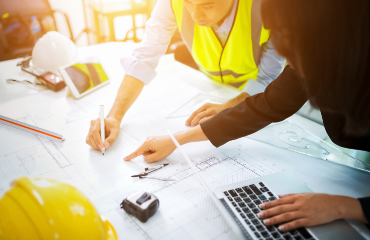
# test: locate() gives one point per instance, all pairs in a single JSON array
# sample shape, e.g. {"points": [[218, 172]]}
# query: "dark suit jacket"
{"points": [[281, 99]]}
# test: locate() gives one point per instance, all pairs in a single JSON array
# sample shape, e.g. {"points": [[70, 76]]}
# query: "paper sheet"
{"points": [[185, 211], [290, 136], [195, 103], [73, 161]]}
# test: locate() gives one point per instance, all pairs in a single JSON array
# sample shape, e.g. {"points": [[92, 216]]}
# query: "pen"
{"points": [[149, 170], [102, 127], [159, 178], [157, 166], [146, 172]]}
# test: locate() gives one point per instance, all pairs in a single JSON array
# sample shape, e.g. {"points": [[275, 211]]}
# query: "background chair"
{"points": [[104, 13], [16, 39]]}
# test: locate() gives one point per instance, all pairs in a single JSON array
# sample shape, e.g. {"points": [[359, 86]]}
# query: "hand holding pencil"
{"points": [[102, 127], [111, 131]]}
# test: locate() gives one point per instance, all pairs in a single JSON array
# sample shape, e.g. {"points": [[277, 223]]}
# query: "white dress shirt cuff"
{"points": [[138, 69], [252, 87]]}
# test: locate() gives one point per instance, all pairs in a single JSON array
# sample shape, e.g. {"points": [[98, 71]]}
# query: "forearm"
{"points": [[350, 208], [237, 100], [128, 92], [281, 99], [194, 134]]}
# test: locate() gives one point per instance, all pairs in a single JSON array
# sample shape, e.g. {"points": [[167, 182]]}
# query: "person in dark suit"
{"points": [[327, 46]]}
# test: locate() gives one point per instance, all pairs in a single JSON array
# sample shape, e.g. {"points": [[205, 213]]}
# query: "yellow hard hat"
{"points": [[48, 209]]}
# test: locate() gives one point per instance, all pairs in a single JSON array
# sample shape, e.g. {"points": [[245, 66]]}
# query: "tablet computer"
{"points": [[84, 76]]}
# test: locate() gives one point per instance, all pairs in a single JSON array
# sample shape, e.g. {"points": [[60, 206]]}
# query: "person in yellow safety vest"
{"points": [[226, 40], [47, 209]]}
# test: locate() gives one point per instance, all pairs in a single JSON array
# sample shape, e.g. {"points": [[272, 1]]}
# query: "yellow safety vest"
{"points": [[233, 63]]}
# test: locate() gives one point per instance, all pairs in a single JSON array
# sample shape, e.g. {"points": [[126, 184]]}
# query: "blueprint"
{"points": [[290, 136], [186, 211], [195, 103], [73, 161]]}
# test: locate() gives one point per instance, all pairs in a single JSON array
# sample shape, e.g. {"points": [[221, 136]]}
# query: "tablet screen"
{"points": [[86, 74]]}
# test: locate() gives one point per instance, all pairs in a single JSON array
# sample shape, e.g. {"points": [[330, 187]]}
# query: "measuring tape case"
{"points": [[142, 205]]}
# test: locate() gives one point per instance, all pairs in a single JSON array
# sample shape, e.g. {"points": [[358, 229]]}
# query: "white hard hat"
{"points": [[53, 50]]}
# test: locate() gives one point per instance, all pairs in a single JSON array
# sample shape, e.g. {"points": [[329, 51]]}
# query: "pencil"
{"points": [[102, 127]]}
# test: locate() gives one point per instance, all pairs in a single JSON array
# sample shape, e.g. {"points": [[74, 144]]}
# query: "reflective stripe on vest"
{"points": [[237, 61]]}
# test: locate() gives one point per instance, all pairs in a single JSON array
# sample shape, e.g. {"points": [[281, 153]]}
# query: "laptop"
{"points": [[241, 200]]}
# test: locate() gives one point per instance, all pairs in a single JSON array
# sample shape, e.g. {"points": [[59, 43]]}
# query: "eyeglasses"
{"points": [[25, 63], [23, 81]]}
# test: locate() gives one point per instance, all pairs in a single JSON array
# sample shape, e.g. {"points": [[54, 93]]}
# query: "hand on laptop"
{"points": [[154, 149], [309, 209]]}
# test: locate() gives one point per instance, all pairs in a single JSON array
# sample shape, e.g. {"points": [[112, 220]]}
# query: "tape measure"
{"points": [[31, 129], [142, 205]]}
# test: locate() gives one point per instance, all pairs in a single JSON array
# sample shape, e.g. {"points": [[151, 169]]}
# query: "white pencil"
{"points": [[102, 127]]}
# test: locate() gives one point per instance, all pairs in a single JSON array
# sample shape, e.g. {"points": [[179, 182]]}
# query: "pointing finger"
{"points": [[138, 152]]}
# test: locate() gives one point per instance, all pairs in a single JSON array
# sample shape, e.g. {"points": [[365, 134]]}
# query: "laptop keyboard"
{"points": [[246, 201]]}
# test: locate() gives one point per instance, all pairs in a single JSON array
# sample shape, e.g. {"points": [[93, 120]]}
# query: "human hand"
{"points": [[154, 149], [308, 209], [205, 112], [112, 129]]}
